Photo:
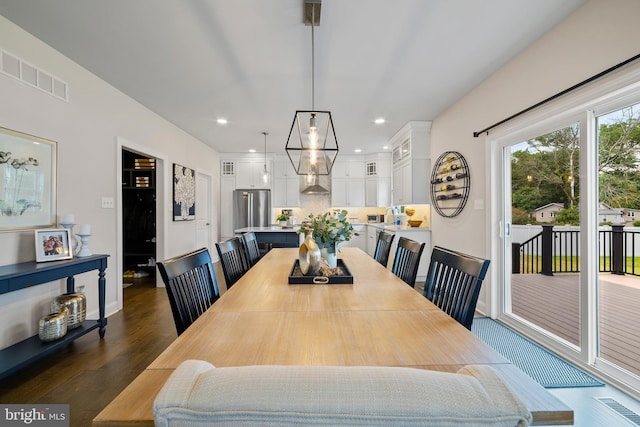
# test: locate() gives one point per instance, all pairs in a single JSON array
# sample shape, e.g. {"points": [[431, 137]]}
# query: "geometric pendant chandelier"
{"points": [[312, 145]]}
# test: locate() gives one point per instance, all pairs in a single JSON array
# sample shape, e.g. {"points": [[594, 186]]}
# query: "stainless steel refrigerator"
{"points": [[251, 208]]}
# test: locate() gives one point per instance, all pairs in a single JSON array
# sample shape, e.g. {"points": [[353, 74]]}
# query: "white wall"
{"points": [[597, 36], [86, 129]]}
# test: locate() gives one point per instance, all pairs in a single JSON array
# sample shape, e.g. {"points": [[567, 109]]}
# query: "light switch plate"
{"points": [[107, 203], [478, 204]]}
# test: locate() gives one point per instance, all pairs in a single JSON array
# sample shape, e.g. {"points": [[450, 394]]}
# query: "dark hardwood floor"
{"points": [[90, 372]]}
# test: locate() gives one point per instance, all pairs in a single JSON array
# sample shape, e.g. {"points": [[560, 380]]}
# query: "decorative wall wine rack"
{"points": [[450, 184]]}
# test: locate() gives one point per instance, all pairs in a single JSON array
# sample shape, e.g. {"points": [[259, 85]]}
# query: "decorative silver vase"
{"points": [[309, 256], [53, 326], [76, 304]]}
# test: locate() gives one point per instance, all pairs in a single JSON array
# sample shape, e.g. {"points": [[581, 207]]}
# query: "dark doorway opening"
{"points": [[138, 218]]}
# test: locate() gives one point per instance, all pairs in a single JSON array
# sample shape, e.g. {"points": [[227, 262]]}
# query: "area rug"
{"points": [[544, 367]]}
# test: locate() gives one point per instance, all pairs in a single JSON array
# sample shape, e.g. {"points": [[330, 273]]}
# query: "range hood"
{"points": [[315, 188]]}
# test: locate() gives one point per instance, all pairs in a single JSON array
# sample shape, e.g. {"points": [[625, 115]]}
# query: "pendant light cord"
{"points": [[265, 148], [313, 59]]}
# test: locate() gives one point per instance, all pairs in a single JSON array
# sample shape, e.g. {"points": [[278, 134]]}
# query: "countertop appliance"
{"points": [[251, 208], [375, 218]]}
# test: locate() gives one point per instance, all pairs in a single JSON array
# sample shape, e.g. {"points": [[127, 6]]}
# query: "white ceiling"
{"points": [[193, 61]]}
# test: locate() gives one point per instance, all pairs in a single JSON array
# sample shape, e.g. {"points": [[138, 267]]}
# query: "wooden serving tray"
{"points": [[297, 278]]}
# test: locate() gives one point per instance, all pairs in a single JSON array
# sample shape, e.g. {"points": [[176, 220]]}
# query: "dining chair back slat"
{"points": [[383, 247], [453, 283], [252, 248], [191, 286], [407, 260], [233, 258]]}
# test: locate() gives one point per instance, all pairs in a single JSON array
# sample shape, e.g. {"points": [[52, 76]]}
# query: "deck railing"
{"points": [[558, 251]]}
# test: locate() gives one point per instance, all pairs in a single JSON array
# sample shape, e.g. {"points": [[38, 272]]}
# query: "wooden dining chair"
{"points": [[191, 285], [233, 258], [383, 247], [407, 260], [251, 246], [453, 283]]}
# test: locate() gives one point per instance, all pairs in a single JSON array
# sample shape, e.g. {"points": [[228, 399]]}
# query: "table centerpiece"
{"points": [[328, 230]]}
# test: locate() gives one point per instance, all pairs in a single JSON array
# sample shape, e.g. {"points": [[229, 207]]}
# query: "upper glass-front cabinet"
{"points": [[402, 151]]}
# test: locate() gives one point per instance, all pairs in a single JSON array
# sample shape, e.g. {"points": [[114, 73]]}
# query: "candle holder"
{"points": [[84, 250], [75, 240]]}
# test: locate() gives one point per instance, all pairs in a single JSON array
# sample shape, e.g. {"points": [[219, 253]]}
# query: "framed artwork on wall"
{"points": [[53, 244], [27, 181], [184, 193]]}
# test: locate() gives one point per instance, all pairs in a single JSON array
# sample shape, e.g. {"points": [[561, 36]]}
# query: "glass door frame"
{"points": [[502, 163], [622, 98], [613, 93]]}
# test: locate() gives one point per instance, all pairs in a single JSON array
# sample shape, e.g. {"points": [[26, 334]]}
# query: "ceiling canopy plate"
{"points": [[311, 15]]}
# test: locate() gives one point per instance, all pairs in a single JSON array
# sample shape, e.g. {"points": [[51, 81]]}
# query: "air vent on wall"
{"points": [[15, 67]]}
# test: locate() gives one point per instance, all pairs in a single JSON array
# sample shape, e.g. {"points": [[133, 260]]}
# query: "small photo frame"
{"points": [[53, 244]]}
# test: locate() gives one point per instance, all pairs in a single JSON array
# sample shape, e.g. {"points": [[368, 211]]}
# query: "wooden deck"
{"points": [[551, 302]]}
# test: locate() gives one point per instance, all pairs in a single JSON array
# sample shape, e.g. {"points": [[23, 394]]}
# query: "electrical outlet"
{"points": [[107, 203]]}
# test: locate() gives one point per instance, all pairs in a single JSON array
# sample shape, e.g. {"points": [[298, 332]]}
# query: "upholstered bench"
{"points": [[199, 394]]}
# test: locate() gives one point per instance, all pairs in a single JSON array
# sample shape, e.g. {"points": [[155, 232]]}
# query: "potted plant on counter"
{"points": [[328, 231], [283, 219]]}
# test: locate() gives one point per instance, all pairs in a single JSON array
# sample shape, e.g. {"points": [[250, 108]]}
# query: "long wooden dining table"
{"points": [[377, 321]]}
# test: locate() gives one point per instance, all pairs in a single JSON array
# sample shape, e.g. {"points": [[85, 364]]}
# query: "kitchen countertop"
{"points": [[393, 227], [269, 229], [294, 228]]}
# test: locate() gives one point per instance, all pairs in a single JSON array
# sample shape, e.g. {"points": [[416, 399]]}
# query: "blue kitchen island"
{"points": [[274, 236]]}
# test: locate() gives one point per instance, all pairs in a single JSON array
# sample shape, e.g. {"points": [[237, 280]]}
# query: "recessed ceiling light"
{"points": [[222, 121], [379, 121], [357, 150], [252, 150], [386, 147]]}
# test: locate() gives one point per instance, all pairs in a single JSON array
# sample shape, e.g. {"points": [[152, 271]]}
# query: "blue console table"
{"points": [[27, 274]]}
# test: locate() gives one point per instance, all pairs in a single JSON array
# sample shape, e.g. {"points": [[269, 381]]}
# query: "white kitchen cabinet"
{"points": [[286, 193], [410, 182], [348, 168], [249, 174], [378, 180], [372, 239], [378, 192], [410, 158], [347, 183], [286, 185], [346, 192]]}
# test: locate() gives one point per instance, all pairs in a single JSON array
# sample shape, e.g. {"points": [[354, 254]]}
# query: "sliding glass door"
{"points": [[568, 209], [618, 135], [543, 243]]}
